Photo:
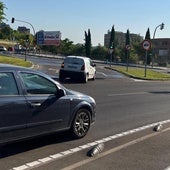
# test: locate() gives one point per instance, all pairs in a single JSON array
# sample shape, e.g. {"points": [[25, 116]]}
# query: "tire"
{"points": [[94, 77], [85, 78], [81, 123], [61, 77]]}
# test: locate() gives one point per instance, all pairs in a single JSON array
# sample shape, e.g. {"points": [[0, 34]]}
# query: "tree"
{"points": [[2, 14], [5, 32], [127, 36], [112, 42], [147, 37], [112, 38], [99, 52], [88, 43], [127, 51], [79, 50]]}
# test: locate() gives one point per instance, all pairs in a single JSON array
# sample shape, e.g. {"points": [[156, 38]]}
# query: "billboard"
{"points": [[48, 38]]}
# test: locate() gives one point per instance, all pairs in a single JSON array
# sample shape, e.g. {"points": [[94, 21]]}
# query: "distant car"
{"points": [[2, 48], [77, 67], [33, 104]]}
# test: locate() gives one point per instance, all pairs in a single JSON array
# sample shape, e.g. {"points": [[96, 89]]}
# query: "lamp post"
{"points": [[161, 28], [128, 47]]}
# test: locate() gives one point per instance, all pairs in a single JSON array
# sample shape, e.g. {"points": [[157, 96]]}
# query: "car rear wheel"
{"points": [[81, 123], [85, 78], [94, 77], [61, 77]]}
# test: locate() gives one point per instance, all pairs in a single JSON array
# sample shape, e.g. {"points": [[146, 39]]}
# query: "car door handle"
{"points": [[35, 105]]}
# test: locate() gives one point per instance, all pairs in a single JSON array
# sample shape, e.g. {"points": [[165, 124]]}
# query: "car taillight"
{"points": [[62, 65], [83, 67]]}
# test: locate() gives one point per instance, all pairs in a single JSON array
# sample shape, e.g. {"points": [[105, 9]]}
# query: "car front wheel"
{"points": [[81, 123]]}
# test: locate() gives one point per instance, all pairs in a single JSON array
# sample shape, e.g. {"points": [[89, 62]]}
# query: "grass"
{"points": [[15, 61], [139, 73]]}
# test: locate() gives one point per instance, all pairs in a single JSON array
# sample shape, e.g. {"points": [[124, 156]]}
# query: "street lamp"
{"points": [[161, 28]]}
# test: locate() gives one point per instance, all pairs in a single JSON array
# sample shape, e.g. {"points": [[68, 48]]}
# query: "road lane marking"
{"points": [[168, 168], [140, 80], [54, 157], [126, 94], [110, 75], [53, 69], [115, 149]]}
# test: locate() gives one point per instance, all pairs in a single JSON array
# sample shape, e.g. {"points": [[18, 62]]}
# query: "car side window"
{"points": [[36, 84], [8, 84]]}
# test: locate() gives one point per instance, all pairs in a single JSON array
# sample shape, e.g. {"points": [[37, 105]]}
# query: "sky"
{"points": [[73, 17]]}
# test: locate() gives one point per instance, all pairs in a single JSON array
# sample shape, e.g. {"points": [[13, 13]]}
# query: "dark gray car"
{"points": [[32, 104]]}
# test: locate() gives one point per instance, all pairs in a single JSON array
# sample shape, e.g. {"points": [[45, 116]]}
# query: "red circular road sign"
{"points": [[128, 47], [146, 44]]}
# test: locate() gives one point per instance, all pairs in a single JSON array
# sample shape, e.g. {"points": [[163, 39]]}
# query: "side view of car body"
{"points": [[77, 67], [32, 104]]}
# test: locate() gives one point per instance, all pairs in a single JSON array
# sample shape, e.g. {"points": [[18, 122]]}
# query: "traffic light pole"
{"points": [[13, 20], [161, 28]]}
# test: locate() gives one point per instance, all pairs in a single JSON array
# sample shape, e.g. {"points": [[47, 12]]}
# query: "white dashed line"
{"points": [[126, 94], [56, 156], [35, 163]]}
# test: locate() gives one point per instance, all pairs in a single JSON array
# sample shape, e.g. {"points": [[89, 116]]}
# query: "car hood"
{"points": [[81, 95]]}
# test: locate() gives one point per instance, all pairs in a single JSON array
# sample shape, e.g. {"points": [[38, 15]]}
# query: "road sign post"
{"points": [[111, 53], [146, 44], [128, 47]]}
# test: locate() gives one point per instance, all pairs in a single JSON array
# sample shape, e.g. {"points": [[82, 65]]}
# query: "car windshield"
{"points": [[77, 61]]}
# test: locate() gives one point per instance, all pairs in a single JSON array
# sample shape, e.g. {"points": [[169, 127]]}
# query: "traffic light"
{"points": [[162, 26], [13, 19]]}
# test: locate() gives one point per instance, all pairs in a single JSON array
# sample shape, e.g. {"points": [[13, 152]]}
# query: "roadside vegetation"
{"points": [[139, 73], [14, 61]]}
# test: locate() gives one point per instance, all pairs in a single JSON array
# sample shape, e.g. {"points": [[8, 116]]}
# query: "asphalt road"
{"points": [[123, 104]]}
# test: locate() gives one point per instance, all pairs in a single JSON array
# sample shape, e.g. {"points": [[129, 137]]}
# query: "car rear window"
{"points": [[78, 61]]}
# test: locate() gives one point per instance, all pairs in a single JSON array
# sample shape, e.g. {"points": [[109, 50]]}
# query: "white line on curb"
{"points": [[56, 156]]}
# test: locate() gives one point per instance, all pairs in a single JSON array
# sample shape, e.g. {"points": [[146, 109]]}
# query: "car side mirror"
{"points": [[60, 93], [94, 65]]}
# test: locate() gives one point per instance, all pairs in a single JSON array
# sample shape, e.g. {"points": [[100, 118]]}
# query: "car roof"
{"points": [[9, 67], [81, 57], [12, 67]]}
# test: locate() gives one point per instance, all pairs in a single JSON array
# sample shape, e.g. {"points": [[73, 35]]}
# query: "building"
{"points": [[24, 30], [120, 38], [161, 51]]}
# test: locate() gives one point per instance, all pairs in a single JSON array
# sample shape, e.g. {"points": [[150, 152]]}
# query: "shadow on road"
{"points": [[30, 144], [160, 92]]}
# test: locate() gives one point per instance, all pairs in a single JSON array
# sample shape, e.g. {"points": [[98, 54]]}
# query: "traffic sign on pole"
{"points": [[146, 44], [128, 47]]}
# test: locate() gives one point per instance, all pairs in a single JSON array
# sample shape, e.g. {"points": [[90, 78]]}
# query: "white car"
{"points": [[77, 67], [2, 49]]}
